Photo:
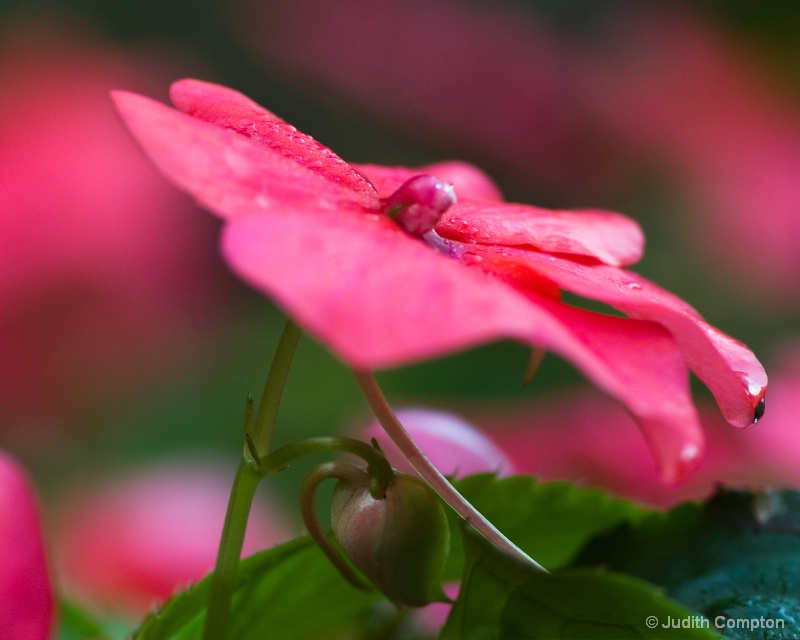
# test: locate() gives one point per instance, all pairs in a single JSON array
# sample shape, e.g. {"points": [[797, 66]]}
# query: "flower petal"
{"points": [[26, 594], [230, 109], [379, 298], [228, 173], [480, 216], [727, 367], [609, 237]]}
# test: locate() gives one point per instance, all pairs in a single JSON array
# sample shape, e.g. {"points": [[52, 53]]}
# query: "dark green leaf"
{"points": [[551, 521], [503, 599], [735, 560]]}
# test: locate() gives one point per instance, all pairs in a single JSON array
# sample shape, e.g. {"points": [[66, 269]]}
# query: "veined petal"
{"points": [[379, 298], [609, 237], [228, 173], [727, 367], [230, 109]]}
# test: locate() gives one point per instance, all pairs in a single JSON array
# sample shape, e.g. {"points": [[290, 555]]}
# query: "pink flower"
{"points": [[658, 83], [126, 543], [27, 603], [312, 232], [676, 89], [452, 444], [97, 254], [488, 79]]}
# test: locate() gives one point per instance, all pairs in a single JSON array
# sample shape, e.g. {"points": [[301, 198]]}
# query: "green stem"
{"points": [[308, 509], [379, 468], [383, 412], [264, 422], [223, 581], [248, 475]]}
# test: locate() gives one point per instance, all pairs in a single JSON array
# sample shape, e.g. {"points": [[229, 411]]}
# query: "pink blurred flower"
{"points": [[452, 444], [311, 231], [672, 87], [581, 437], [98, 259], [492, 81], [27, 603], [127, 542], [650, 82]]}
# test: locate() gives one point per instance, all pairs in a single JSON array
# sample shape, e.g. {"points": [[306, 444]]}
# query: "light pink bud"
{"points": [[400, 541], [455, 447], [419, 203]]}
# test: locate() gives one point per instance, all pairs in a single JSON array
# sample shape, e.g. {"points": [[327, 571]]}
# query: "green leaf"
{"points": [[734, 560], [503, 599], [288, 592], [277, 588], [551, 521], [76, 624]]}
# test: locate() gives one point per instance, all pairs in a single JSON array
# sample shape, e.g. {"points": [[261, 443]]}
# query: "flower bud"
{"points": [[419, 203], [400, 542]]}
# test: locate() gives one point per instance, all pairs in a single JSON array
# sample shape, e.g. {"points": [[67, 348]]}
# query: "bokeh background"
{"points": [[126, 348]]}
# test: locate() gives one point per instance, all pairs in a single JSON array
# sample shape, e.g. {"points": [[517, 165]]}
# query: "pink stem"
{"points": [[380, 407]]}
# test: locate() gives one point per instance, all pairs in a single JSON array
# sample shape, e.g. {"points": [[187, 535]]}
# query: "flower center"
{"points": [[419, 203]]}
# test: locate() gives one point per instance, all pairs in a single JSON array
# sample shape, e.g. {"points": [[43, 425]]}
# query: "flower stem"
{"points": [[308, 509], [263, 424], [383, 412], [258, 432], [379, 469], [223, 581]]}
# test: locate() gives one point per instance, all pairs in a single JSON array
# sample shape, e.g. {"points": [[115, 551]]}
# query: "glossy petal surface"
{"points": [[413, 303], [608, 237], [227, 108], [726, 366], [226, 172]]}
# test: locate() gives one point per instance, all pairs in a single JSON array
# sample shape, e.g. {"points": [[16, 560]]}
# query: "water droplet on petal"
{"points": [[758, 412], [633, 286], [689, 452], [471, 258]]}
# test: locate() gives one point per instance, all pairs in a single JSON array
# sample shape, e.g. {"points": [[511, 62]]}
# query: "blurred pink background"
{"points": [[685, 116]]}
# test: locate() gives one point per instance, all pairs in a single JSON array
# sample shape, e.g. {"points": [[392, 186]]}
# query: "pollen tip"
{"points": [[419, 203]]}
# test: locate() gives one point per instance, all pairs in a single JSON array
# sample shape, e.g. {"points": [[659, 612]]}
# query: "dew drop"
{"points": [[633, 286], [471, 258], [758, 413], [689, 452]]}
